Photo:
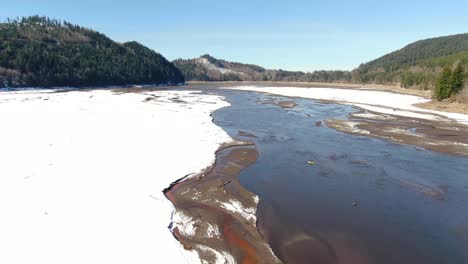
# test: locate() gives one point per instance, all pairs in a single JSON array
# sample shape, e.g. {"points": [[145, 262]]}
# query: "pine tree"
{"points": [[443, 88], [458, 78]]}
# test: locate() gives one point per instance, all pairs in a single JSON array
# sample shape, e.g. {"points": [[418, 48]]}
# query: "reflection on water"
{"points": [[363, 201]]}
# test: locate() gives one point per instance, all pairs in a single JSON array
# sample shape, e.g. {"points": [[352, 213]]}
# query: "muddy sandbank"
{"points": [[215, 215], [446, 137]]}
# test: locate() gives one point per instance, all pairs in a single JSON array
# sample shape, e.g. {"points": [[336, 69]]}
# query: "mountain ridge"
{"points": [[417, 66], [208, 68], [42, 52]]}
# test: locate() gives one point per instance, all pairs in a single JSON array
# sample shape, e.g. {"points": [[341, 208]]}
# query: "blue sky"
{"points": [[292, 35]]}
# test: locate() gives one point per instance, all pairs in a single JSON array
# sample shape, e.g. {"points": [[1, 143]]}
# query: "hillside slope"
{"points": [[418, 64], [415, 66], [208, 68], [40, 52]]}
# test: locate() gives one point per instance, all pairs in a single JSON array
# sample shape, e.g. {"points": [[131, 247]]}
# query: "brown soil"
{"points": [[203, 199], [445, 107], [286, 104], [445, 137]]}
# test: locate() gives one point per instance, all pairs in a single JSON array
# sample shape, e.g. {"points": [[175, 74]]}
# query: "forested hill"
{"points": [[418, 64], [208, 68], [41, 52], [415, 66]]}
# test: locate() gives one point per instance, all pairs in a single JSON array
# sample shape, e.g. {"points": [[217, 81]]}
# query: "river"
{"points": [[332, 197]]}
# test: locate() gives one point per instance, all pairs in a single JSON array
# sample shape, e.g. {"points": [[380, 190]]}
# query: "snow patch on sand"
{"points": [[212, 231], [82, 173], [399, 112], [188, 226], [235, 206], [377, 101], [353, 127], [184, 223], [368, 115]]}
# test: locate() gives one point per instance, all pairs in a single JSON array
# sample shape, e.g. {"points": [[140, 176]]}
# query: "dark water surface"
{"points": [[364, 201]]}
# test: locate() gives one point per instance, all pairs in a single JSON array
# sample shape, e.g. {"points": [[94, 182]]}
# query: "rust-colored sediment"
{"points": [[250, 256], [204, 199]]}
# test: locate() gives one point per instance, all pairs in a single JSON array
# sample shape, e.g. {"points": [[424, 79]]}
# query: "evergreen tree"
{"points": [[443, 88], [38, 51], [458, 78]]}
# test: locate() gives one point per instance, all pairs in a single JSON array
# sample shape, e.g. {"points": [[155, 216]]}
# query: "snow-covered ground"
{"points": [[377, 101], [82, 173]]}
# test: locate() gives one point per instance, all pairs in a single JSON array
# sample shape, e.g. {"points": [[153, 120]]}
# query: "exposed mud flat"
{"points": [[286, 104], [215, 215], [281, 103], [441, 136]]}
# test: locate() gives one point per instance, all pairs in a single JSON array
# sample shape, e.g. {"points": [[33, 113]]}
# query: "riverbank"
{"points": [[83, 172], [376, 101], [444, 106], [390, 116], [216, 216], [372, 87]]}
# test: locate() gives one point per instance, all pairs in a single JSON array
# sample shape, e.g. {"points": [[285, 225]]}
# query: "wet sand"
{"points": [[441, 136], [286, 104], [215, 215]]}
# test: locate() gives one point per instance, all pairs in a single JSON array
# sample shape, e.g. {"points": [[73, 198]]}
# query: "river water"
{"points": [[331, 197]]}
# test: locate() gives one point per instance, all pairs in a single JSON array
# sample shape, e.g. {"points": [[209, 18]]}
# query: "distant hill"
{"points": [[414, 66], [41, 52], [418, 64], [208, 68]]}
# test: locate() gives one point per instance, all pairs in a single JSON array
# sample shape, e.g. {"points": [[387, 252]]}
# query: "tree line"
{"points": [[450, 82], [42, 52]]}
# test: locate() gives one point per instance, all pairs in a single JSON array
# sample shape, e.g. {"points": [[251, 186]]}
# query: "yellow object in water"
{"points": [[311, 162]]}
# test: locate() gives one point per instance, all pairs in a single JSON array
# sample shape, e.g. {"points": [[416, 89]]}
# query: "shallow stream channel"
{"points": [[332, 197]]}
